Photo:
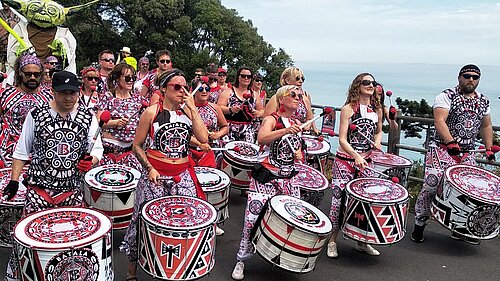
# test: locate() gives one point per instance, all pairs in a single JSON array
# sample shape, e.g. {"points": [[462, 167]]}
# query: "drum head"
{"points": [[179, 213], [62, 228], [211, 179], [112, 177], [377, 190], [314, 146], [389, 160], [247, 153], [20, 197], [309, 178], [476, 182], [301, 214]]}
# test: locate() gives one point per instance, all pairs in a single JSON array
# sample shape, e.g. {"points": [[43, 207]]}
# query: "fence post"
{"points": [[394, 136]]}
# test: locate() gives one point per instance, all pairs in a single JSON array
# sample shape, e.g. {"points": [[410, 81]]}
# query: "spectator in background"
{"points": [[149, 87]]}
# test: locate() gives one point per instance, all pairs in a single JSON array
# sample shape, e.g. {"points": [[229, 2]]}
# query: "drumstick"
{"points": [[175, 179], [235, 149], [326, 110], [103, 119], [393, 179], [144, 104], [392, 109], [494, 149]]}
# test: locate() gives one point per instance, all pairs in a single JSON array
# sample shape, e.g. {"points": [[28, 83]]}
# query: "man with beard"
{"points": [[460, 113], [16, 101]]}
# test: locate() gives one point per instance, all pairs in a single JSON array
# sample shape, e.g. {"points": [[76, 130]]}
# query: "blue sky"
{"points": [[424, 31]]}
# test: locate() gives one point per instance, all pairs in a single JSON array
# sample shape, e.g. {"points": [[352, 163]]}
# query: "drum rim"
{"points": [[216, 171], [374, 160], [90, 176], [322, 188], [327, 220], [363, 199], [326, 145], [481, 199], [207, 224], [105, 229], [231, 154]]}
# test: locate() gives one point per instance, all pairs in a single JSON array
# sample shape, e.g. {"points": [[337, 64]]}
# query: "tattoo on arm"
{"points": [[140, 154]]}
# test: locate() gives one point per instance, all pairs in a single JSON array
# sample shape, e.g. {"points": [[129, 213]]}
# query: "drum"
{"points": [[10, 211], [64, 244], [375, 211], [317, 152], [111, 189], [468, 202], [177, 238], [312, 184], [292, 233], [238, 165], [391, 165], [215, 183]]}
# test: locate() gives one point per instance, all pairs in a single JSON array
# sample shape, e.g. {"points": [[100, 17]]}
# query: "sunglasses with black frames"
{"points": [[469, 76], [368, 82], [128, 78], [245, 76]]}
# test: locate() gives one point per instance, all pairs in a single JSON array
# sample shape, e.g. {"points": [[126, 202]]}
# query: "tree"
{"points": [[415, 109]]}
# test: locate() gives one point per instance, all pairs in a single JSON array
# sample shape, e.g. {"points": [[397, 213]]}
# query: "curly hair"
{"points": [[354, 90]]}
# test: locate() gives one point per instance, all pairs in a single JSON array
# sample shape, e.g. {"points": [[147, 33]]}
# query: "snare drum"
{"points": [[317, 152], [375, 211], [177, 238], [292, 233], [312, 184], [215, 183], [111, 189], [10, 211], [468, 202], [391, 165], [238, 165], [64, 244]]}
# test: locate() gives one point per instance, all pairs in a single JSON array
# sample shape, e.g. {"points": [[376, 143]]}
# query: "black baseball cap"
{"points": [[65, 80]]}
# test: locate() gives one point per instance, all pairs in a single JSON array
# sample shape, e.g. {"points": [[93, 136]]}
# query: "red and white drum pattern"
{"points": [[10, 211], [317, 152], [312, 184], [376, 211], [238, 164], [391, 165], [215, 184], [469, 202], [177, 238]]}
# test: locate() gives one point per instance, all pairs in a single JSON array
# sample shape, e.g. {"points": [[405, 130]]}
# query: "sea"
{"points": [[328, 84]]}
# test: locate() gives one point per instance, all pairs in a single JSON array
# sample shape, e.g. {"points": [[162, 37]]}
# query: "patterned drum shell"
{"points": [[376, 211], [177, 238], [111, 189], [215, 183], [238, 165], [468, 202], [292, 233], [64, 244], [391, 165], [10, 211], [312, 184], [317, 152]]}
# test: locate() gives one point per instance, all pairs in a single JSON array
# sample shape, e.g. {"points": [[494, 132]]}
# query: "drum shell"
{"points": [[317, 153], [311, 182], [217, 195], [392, 165], [10, 211], [238, 169]]}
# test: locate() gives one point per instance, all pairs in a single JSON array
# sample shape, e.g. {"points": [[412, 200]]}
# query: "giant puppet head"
{"points": [[44, 13]]}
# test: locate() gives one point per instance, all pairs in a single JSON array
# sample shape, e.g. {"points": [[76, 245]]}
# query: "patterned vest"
{"points": [[365, 118], [170, 133]]}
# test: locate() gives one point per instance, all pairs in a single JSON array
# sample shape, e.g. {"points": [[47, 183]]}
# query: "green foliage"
{"points": [[197, 32], [415, 109], [418, 171]]}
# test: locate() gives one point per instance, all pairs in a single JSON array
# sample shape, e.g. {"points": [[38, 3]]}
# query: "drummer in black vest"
{"points": [[281, 147], [55, 137], [460, 114]]}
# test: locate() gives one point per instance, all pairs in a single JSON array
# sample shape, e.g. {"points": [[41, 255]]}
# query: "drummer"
{"points": [[57, 164], [166, 169], [460, 113], [281, 147], [360, 131]]}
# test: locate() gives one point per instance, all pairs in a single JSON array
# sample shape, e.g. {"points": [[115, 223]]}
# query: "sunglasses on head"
{"points": [[128, 78], [177, 87], [109, 60], [244, 76], [200, 89], [222, 74], [29, 74], [294, 94], [368, 82], [298, 78], [165, 61], [469, 76], [90, 78]]}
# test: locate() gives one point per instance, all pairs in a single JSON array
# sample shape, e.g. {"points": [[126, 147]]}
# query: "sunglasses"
{"points": [[29, 74], [90, 78], [469, 76], [258, 80], [53, 63], [145, 64], [244, 76], [165, 61], [222, 74], [109, 60], [300, 78], [197, 75], [200, 89], [177, 87], [293, 95], [129, 78], [212, 80], [368, 82]]}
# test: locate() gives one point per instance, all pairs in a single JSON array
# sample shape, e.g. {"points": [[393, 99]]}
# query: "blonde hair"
{"points": [[281, 92], [288, 73]]}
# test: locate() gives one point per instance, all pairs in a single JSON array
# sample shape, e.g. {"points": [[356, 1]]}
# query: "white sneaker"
{"points": [[238, 271], [331, 250], [219, 231], [367, 249]]}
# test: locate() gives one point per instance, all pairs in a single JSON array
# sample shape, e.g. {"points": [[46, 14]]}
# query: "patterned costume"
{"points": [[240, 123], [209, 116], [464, 121], [257, 121], [301, 112], [149, 82], [270, 177], [89, 102], [15, 106], [119, 149], [214, 94], [343, 171], [170, 134]]}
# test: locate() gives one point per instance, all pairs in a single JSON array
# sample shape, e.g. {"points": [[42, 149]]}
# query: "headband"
{"points": [[87, 70], [470, 68], [29, 59], [169, 76]]}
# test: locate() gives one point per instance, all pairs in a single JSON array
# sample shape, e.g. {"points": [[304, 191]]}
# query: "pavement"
{"points": [[438, 258]]}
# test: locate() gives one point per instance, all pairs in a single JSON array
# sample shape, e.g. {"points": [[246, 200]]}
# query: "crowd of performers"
{"points": [[164, 126]]}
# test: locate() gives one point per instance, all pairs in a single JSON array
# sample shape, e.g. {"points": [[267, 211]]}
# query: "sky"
{"points": [[385, 31]]}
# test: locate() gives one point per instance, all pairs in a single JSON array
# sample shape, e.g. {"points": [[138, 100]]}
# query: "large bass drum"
{"points": [[391, 165], [215, 184], [238, 164]]}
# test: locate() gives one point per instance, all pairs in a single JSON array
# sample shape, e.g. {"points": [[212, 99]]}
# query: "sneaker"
{"points": [[238, 271], [458, 236], [417, 235], [367, 249], [331, 250], [219, 231]]}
